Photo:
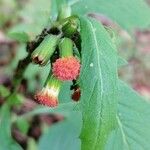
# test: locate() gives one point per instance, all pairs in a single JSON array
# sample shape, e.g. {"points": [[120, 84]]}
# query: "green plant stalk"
{"points": [[22, 66], [18, 75], [66, 47], [64, 12]]}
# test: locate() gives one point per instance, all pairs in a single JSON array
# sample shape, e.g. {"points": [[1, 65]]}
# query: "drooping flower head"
{"points": [[49, 94], [67, 67]]}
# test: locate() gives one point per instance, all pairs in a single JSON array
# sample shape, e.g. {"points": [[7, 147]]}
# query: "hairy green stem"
{"points": [[22, 66]]}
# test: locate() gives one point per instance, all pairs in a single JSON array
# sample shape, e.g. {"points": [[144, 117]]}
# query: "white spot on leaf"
{"points": [[91, 64]]}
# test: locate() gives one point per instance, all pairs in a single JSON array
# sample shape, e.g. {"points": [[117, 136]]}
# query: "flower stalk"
{"points": [[66, 47], [64, 12]]}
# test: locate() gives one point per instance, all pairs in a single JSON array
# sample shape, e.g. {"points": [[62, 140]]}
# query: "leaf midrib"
{"points": [[100, 76]]}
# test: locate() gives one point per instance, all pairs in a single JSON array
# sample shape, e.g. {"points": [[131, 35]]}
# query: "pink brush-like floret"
{"points": [[67, 68], [46, 99]]}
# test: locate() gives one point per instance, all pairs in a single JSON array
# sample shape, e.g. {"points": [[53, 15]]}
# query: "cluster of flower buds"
{"points": [[66, 67]]}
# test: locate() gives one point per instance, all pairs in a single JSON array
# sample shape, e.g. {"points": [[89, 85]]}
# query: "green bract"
{"points": [[41, 55]]}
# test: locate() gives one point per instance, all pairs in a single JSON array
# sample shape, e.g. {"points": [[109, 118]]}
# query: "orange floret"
{"points": [[47, 97], [67, 68]]}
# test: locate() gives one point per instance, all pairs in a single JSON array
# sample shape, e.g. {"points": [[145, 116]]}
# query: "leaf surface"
{"points": [[98, 81], [63, 135], [127, 13], [64, 109], [133, 122], [132, 132], [6, 141]]}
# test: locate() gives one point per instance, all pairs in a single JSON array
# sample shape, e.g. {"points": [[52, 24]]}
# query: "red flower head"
{"points": [[49, 94], [66, 68]]}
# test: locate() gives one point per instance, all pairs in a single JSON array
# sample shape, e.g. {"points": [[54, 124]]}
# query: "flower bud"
{"points": [[70, 28], [49, 94], [41, 55]]}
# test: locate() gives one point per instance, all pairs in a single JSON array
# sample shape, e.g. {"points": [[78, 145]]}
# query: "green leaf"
{"points": [[63, 135], [98, 81], [15, 99], [18, 33], [6, 142], [4, 92], [133, 122], [63, 109], [65, 93], [31, 77], [132, 132], [34, 20], [23, 125], [127, 13]]}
